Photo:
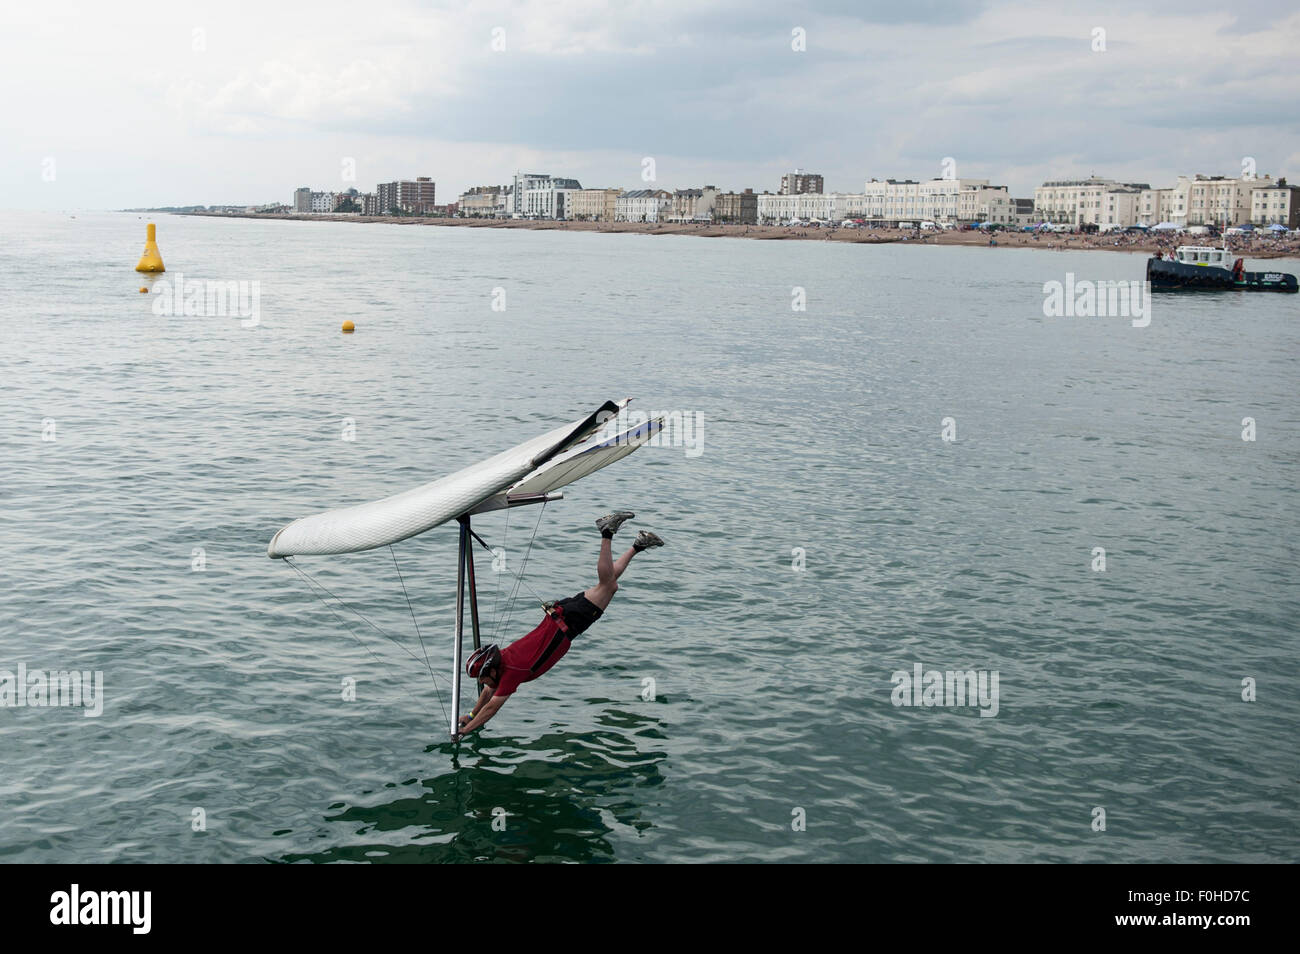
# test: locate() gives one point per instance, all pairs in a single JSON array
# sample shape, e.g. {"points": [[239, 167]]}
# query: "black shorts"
{"points": [[579, 613]]}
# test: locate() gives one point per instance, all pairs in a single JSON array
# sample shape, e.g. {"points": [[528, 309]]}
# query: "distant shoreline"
{"points": [[1145, 244]]}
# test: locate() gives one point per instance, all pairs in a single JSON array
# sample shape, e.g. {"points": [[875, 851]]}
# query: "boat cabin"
{"points": [[1204, 255]]}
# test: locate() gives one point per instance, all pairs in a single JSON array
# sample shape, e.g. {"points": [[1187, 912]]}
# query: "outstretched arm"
{"points": [[483, 698], [483, 714]]}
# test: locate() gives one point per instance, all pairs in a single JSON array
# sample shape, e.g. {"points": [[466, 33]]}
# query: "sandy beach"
{"points": [[1264, 246]]}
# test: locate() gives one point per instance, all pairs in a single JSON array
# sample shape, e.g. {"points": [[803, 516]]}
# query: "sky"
{"points": [[234, 102]]}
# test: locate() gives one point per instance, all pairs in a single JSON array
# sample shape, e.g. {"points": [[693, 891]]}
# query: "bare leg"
{"points": [[608, 570]]}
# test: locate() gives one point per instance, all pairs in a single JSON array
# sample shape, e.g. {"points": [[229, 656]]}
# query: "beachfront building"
{"points": [[1071, 201], [643, 205], [799, 183], [1277, 204], [943, 201], [594, 205], [981, 202], [1154, 206], [323, 201], [302, 199], [693, 205], [736, 208], [538, 196], [1215, 200], [848, 205], [1120, 206], [412, 196], [805, 206], [481, 202], [1091, 201]]}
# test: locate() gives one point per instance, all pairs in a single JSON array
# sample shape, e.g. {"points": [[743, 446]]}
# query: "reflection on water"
{"points": [[563, 795]]}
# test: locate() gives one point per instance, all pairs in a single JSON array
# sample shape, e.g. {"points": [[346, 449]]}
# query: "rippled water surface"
{"points": [[1118, 690]]}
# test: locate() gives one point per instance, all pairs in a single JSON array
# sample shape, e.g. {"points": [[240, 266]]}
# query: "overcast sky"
{"points": [[241, 102]]}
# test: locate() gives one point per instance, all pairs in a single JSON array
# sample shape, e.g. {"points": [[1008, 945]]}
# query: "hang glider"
{"points": [[523, 474], [527, 474]]}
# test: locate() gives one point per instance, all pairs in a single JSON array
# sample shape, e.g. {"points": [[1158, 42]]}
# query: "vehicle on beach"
{"points": [[928, 227], [1206, 268]]}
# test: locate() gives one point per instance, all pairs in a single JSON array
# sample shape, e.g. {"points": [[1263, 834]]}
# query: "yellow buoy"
{"points": [[143, 290], [151, 261], [348, 327]]}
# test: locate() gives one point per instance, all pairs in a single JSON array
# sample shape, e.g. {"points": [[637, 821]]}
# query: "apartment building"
{"points": [[415, 196], [594, 205], [778, 208], [798, 183], [538, 196], [1277, 204], [1092, 201], [1215, 200], [482, 201], [946, 201], [1154, 206]]}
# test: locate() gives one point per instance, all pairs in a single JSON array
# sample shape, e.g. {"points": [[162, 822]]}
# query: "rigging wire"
{"points": [[496, 590], [412, 609], [307, 577], [519, 578]]}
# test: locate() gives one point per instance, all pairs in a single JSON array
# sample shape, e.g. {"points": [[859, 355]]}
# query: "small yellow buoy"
{"points": [[143, 290], [151, 260], [348, 327]]}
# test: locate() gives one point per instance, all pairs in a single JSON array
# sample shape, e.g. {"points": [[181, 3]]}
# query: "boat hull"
{"points": [[1178, 276]]}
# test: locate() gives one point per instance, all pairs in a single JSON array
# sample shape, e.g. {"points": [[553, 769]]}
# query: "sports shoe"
{"points": [[645, 540], [610, 523]]}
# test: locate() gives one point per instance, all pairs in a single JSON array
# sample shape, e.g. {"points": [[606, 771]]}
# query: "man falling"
{"points": [[502, 671]]}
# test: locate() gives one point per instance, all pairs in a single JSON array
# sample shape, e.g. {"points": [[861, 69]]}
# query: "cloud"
{"points": [[713, 90]]}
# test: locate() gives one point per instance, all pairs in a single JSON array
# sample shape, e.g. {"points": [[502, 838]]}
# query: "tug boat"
{"points": [[1202, 267]]}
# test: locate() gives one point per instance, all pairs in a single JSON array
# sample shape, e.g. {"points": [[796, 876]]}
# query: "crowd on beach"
{"points": [[1261, 243]]}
